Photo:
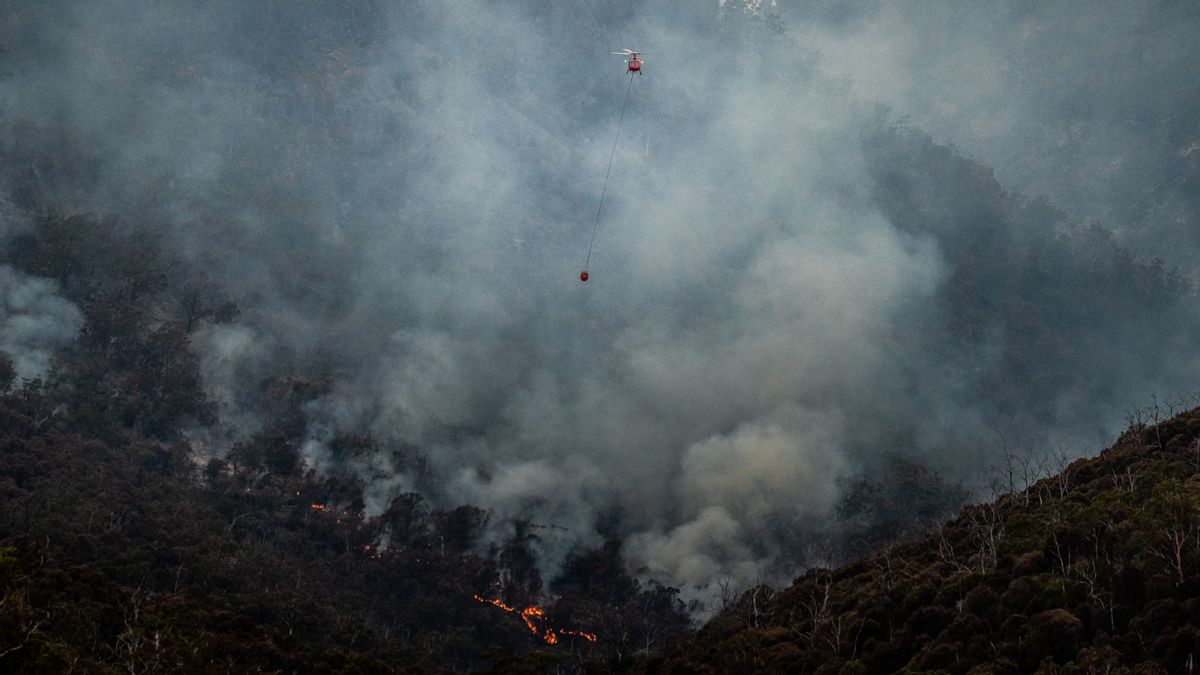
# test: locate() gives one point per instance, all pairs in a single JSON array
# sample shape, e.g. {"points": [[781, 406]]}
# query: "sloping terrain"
{"points": [[1093, 570], [121, 551], [295, 375]]}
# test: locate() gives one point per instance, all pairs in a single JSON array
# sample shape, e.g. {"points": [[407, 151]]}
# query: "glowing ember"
{"points": [[590, 637], [317, 507], [549, 635]]}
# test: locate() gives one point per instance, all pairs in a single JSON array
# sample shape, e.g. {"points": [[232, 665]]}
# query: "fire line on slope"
{"points": [[529, 614]]}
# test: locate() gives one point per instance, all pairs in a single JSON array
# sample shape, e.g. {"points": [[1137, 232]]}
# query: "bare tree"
{"points": [[1175, 518], [946, 552], [987, 525]]}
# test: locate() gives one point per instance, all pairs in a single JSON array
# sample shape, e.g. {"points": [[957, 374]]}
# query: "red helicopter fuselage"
{"points": [[635, 65]]}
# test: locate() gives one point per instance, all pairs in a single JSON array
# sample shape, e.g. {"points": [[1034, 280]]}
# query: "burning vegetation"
{"points": [[536, 621]]}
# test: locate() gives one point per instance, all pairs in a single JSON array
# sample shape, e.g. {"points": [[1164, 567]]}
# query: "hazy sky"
{"points": [[784, 288]]}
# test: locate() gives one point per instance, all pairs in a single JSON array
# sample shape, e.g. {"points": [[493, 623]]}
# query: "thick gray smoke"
{"points": [[1088, 107], [785, 288], [34, 321]]}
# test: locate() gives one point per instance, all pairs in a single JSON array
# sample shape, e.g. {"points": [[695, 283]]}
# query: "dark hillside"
{"points": [[298, 373], [121, 551], [1093, 570]]}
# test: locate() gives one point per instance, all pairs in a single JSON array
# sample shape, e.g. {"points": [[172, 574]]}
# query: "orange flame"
{"points": [[549, 635], [590, 637]]}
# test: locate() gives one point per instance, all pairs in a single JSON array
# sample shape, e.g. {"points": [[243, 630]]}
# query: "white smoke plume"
{"points": [[35, 321], [781, 295]]}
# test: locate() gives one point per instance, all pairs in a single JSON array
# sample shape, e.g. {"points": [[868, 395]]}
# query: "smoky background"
{"points": [[808, 272]]}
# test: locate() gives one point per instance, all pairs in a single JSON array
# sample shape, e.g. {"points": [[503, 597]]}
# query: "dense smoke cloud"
{"points": [[1089, 107], [785, 289], [34, 322]]}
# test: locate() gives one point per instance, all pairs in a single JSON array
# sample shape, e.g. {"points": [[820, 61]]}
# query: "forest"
{"points": [[296, 374], [123, 553], [1095, 569]]}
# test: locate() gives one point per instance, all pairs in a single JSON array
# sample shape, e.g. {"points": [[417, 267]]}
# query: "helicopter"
{"points": [[634, 65], [633, 62]]}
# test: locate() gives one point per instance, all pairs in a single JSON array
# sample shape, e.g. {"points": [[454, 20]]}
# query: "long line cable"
{"points": [[604, 192]]}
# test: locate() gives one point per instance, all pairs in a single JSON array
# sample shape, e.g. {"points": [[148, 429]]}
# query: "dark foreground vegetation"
{"points": [[1093, 570], [128, 546], [114, 558], [120, 554], [121, 551]]}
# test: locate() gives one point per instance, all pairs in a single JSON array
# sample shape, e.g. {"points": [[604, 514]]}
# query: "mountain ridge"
{"points": [[1093, 569]]}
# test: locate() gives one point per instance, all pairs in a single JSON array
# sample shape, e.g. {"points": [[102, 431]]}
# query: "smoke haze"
{"points": [[34, 321], [788, 283]]}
